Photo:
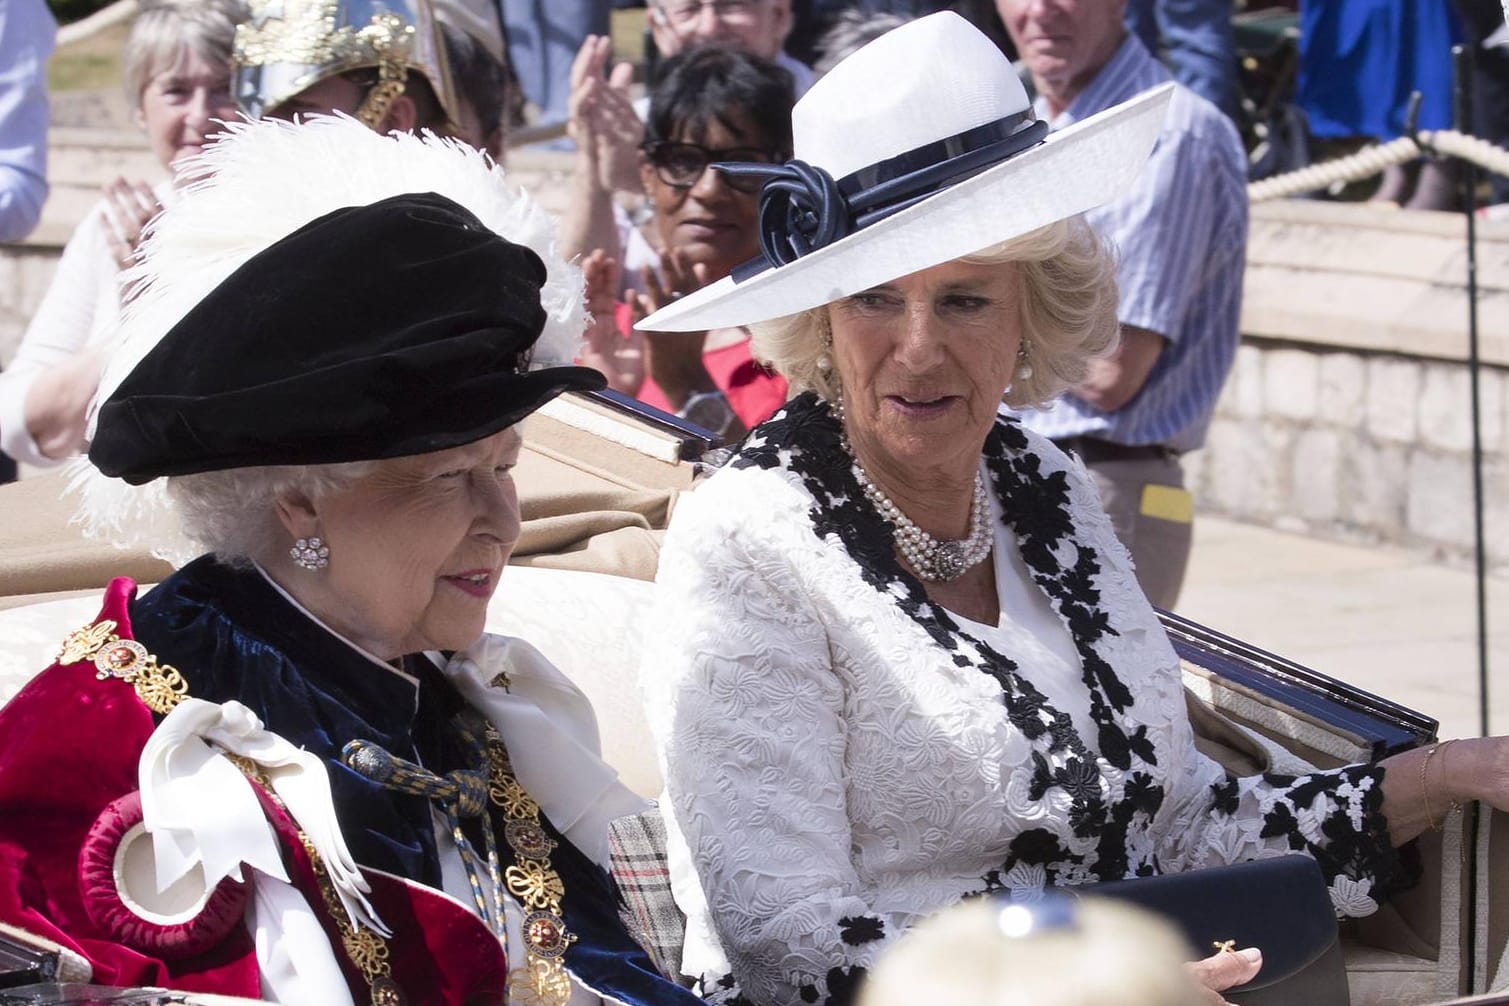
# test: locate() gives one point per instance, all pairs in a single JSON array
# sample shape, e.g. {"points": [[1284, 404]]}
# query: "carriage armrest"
{"points": [[1326, 720]]}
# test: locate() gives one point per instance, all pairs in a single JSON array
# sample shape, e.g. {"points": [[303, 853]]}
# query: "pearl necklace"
{"points": [[933, 559]]}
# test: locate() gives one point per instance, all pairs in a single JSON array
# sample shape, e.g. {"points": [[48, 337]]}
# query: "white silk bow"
{"points": [[201, 811]]}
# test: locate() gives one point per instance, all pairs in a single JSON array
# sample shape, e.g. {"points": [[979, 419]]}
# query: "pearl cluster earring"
{"points": [[310, 553]]}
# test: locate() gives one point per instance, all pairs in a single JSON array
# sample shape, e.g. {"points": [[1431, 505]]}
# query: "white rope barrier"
{"points": [[1371, 160], [1470, 148]]}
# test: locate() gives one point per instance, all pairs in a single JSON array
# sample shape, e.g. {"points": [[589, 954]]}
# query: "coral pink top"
{"points": [[754, 391]]}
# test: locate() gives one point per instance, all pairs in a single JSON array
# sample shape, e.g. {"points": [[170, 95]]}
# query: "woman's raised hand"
{"points": [[602, 119], [675, 358], [129, 206], [619, 357], [678, 276]]}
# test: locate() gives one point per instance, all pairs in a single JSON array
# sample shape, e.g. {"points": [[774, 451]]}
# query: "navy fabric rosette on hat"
{"points": [[378, 331]]}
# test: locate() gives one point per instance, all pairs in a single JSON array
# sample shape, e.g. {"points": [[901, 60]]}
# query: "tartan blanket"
{"points": [[636, 851]]}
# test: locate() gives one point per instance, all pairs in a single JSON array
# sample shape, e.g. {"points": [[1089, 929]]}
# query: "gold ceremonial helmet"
{"points": [[286, 46]]}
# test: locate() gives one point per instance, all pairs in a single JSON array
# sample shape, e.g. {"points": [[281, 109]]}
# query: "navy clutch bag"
{"points": [[1281, 906]]}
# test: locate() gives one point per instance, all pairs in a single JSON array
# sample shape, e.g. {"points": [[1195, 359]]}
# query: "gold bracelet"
{"points": [[1425, 789]]}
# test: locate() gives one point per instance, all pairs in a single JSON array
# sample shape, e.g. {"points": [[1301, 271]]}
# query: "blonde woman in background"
{"points": [[176, 66]]}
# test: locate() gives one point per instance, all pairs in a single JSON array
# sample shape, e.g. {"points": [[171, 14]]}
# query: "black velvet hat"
{"points": [[379, 331]]}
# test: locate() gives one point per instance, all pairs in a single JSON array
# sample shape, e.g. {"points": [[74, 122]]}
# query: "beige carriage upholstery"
{"points": [[597, 487], [589, 502]]}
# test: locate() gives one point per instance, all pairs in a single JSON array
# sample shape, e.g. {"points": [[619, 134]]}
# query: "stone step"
{"points": [[1374, 278], [103, 108]]}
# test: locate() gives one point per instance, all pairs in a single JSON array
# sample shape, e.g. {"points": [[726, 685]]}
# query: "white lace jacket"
{"points": [[841, 759]]}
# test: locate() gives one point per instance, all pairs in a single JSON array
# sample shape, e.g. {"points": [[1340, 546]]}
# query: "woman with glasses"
{"points": [[712, 104]]}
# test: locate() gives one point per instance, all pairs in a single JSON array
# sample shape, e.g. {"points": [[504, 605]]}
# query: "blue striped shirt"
{"points": [[1181, 240]]}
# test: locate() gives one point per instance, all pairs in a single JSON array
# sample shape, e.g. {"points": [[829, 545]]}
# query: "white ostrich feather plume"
{"points": [[260, 182]]}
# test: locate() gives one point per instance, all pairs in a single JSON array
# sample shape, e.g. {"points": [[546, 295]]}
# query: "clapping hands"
{"points": [[129, 207], [619, 356], [602, 121]]}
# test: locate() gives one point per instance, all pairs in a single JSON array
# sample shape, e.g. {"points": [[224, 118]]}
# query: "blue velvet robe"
{"points": [[234, 636]]}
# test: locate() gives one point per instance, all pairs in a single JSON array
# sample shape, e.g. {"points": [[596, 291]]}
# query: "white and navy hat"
{"points": [[920, 148]]}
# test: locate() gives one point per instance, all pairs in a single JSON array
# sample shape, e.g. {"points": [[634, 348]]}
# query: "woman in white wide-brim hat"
{"points": [[899, 657]]}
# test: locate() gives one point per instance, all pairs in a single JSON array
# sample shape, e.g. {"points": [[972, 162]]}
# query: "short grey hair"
{"points": [[1068, 316], [234, 514], [852, 30], [165, 29]]}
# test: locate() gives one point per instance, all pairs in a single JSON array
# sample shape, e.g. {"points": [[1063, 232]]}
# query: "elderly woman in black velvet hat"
{"points": [[297, 769]]}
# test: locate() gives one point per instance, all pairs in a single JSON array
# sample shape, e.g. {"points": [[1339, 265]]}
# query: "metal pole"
{"points": [[1462, 73]]}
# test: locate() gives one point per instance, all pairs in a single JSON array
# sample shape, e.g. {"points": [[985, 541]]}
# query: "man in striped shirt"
{"points": [[1181, 236]]}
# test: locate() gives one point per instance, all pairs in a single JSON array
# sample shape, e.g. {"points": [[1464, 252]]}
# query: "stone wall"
{"points": [[1347, 414], [25, 274], [1363, 447]]}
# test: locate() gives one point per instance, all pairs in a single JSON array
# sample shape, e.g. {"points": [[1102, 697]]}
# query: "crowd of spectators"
{"points": [[712, 103], [558, 58]]}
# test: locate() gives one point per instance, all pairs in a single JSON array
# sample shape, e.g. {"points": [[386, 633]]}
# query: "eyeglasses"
{"points": [[686, 14], [679, 165]]}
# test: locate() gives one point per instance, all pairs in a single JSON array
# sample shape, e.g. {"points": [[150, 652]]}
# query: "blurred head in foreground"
{"points": [[1055, 952]]}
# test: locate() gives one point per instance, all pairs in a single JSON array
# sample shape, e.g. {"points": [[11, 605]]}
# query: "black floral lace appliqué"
{"points": [[861, 929], [805, 438]]}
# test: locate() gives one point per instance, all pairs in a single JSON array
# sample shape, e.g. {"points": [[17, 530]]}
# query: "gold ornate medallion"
{"points": [[545, 934], [385, 992], [528, 839], [82, 643], [159, 686], [120, 659]]}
